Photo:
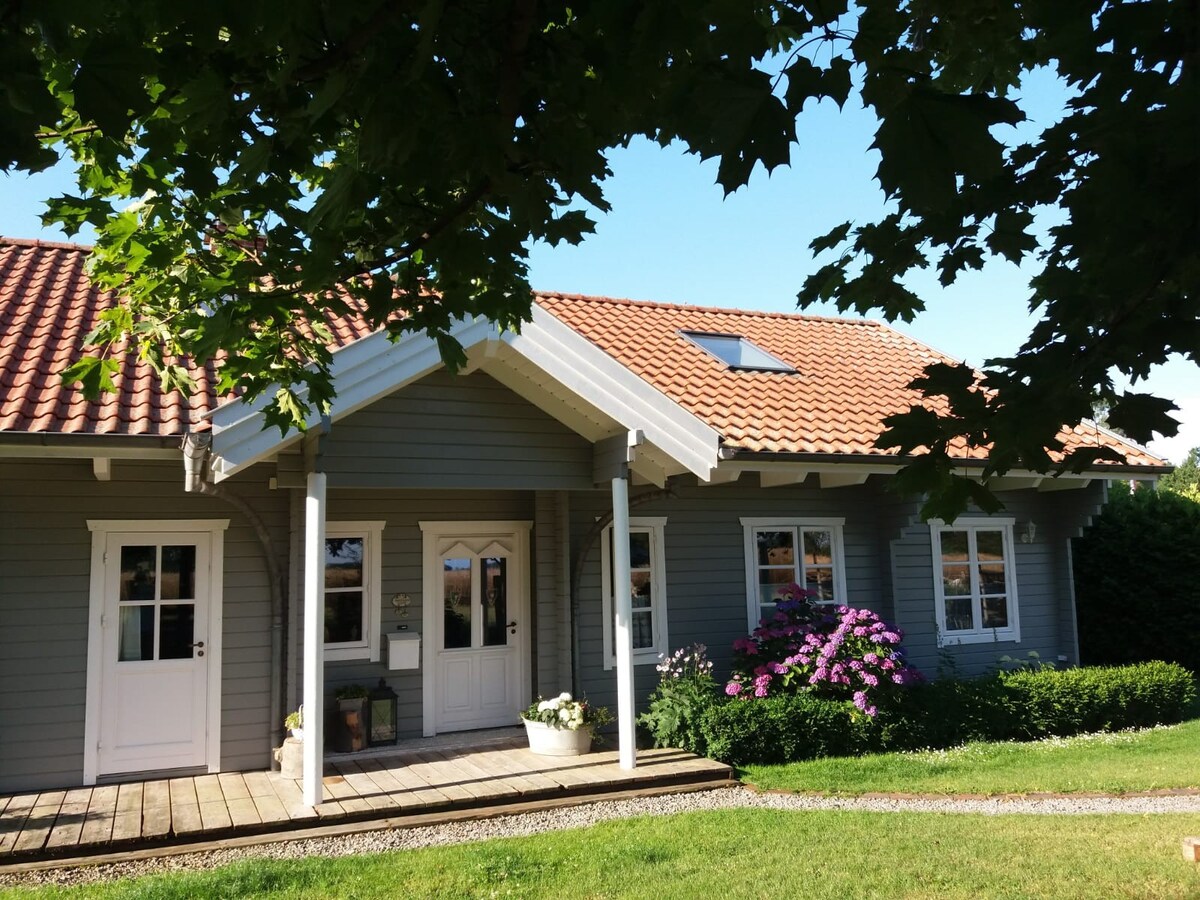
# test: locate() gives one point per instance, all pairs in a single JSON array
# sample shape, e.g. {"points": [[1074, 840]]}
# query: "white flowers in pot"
{"points": [[562, 725]]}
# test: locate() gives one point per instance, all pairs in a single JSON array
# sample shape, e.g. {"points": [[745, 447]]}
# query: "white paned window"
{"points": [[352, 590], [782, 552], [648, 583], [974, 582]]}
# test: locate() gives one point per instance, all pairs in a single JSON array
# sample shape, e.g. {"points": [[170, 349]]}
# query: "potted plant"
{"points": [[562, 726], [352, 719], [294, 723]]}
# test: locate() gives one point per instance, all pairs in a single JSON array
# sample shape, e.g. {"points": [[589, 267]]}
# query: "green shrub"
{"points": [[1136, 590], [1099, 698], [1019, 705], [686, 689], [783, 728]]}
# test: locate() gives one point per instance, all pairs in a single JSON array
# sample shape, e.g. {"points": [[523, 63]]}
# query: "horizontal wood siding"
{"points": [[1043, 586], [449, 431], [45, 558], [706, 566], [402, 566]]}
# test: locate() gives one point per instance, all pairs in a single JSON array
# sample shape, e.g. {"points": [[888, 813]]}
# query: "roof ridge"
{"points": [[693, 307], [48, 245]]}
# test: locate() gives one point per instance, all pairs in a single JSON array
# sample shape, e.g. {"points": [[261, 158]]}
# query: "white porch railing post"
{"points": [[314, 639], [622, 630]]}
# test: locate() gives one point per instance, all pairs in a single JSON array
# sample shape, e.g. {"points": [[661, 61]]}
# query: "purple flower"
{"points": [[733, 688]]}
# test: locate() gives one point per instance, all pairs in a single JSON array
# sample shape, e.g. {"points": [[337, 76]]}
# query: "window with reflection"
{"points": [[156, 602], [647, 575], [973, 580], [352, 590], [784, 552]]}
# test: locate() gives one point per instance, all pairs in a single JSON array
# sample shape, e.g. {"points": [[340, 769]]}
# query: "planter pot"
{"points": [[297, 733], [291, 759], [547, 741], [351, 732]]}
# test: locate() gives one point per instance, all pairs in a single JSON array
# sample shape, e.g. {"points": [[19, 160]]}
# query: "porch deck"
{"points": [[106, 818]]}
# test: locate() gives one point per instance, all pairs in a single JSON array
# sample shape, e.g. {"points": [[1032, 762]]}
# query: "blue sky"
{"points": [[672, 236]]}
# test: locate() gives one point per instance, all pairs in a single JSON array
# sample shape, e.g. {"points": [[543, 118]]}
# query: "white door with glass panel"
{"points": [[155, 652], [480, 595]]}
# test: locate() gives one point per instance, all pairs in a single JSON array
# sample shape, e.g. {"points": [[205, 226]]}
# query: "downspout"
{"points": [[197, 449]]}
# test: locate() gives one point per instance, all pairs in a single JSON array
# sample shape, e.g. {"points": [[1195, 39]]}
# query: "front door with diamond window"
{"points": [[155, 652]]}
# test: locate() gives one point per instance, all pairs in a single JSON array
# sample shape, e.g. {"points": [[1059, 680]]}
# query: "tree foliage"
{"points": [[1136, 593], [405, 153], [1185, 480]]}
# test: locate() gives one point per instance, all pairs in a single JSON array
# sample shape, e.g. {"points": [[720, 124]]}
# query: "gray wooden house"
{"points": [[618, 480]]}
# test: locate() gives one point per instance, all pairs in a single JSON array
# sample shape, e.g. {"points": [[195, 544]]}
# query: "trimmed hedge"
{"points": [[1136, 593], [1006, 706]]}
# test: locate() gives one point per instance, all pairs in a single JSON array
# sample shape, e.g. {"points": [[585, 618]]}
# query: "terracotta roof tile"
{"points": [[850, 373]]}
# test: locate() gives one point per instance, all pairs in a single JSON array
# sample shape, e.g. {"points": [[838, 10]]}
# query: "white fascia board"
{"points": [[362, 372], [586, 370]]}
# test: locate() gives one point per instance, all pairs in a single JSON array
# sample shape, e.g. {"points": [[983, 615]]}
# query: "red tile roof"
{"points": [[850, 373]]}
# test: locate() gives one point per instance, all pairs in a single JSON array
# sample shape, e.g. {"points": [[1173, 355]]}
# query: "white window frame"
{"points": [[655, 526], [372, 535], [752, 525], [979, 634]]}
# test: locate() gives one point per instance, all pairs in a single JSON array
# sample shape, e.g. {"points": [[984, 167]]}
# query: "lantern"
{"points": [[381, 704]]}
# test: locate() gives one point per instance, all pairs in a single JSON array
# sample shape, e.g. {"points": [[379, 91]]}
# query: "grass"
{"points": [[1163, 757], [741, 853]]}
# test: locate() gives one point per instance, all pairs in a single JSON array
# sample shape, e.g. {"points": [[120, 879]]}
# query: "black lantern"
{"points": [[382, 715]]}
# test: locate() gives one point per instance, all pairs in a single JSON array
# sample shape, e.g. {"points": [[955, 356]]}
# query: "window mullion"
{"points": [[976, 586]]}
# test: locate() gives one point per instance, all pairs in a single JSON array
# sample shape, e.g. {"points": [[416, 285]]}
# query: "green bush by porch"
{"points": [[1022, 705]]}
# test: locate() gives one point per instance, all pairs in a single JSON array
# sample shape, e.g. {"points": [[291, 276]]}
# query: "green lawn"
{"points": [[1125, 761], [745, 853]]}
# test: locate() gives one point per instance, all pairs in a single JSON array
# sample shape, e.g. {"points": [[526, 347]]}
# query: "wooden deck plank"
{"points": [[208, 789], [16, 813], [548, 766], [340, 790], [40, 822], [266, 801], [156, 808], [127, 823], [365, 787], [102, 810], [406, 798], [243, 813], [185, 807], [487, 776], [408, 773], [69, 824], [528, 781], [233, 786], [214, 815], [292, 798], [429, 767]]}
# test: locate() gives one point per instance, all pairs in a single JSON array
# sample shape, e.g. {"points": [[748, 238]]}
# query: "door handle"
{"points": [[199, 646], [512, 627]]}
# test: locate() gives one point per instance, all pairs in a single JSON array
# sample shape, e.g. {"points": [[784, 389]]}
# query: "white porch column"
{"points": [[314, 639], [622, 631]]}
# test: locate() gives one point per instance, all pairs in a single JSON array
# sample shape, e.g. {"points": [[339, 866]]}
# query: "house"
{"points": [[164, 563]]}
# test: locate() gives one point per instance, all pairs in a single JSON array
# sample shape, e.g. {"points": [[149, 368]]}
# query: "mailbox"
{"points": [[403, 650]]}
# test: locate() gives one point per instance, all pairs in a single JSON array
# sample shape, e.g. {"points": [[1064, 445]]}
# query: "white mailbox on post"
{"points": [[403, 650]]}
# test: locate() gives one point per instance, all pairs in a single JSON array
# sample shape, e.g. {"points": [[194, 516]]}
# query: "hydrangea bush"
{"points": [[836, 652], [564, 711]]}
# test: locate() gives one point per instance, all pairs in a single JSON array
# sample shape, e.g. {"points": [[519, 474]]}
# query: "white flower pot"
{"points": [[547, 741]]}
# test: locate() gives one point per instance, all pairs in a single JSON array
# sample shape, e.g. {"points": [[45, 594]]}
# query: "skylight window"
{"points": [[737, 352]]}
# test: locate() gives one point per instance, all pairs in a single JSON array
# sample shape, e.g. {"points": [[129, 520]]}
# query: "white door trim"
{"points": [[100, 529], [432, 533]]}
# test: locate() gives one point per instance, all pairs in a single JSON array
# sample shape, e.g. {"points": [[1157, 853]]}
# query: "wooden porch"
{"points": [[93, 820]]}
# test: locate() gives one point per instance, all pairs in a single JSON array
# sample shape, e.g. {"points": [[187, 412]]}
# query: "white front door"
{"points": [[478, 588], [155, 651]]}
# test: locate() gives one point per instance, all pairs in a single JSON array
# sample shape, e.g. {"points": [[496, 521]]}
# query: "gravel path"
{"points": [[582, 816]]}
